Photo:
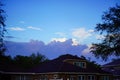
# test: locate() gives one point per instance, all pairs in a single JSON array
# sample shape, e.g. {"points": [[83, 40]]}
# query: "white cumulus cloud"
{"points": [[75, 42], [17, 29], [90, 31], [82, 33], [34, 28], [59, 39], [87, 50]]}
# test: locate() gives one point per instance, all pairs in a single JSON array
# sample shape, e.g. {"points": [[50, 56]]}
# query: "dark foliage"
{"points": [[23, 62], [2, 29], [29, 61], [110, 28]]}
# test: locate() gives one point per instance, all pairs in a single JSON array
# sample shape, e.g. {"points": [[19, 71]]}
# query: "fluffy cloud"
{"points": [[77, 35], [75, 42], [87, 50], [34, 28], [90, 31], [17, 29], [59, 39], [81, 34], [23, 29], [51, 50]]}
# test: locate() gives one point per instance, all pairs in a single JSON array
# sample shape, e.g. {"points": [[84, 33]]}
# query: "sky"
{"points": [[55, 20], [48, 20]]}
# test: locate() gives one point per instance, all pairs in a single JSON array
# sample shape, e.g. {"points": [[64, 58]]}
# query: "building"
{"points": [[65, 67], [114, 68]]}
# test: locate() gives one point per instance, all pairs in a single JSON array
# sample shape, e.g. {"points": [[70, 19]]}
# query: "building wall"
{"points": [[72, 61], [113, 69], [61, 76]]}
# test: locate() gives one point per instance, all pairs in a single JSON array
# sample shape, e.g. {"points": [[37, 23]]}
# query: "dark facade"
{"points": [[114, 68], [65, 67]]}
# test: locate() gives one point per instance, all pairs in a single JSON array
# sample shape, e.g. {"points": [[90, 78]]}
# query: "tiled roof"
{"points": [[113, 63]]}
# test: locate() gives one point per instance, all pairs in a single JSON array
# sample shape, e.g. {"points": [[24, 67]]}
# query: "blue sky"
{"points": [[47, 20]]}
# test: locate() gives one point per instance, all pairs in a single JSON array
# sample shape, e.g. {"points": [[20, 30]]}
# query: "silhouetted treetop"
{"points": [[2, 29], [110, 28]]}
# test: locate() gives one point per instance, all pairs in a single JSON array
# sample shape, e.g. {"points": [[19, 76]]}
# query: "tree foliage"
{"points": [[29, 61], [2, 29], [23, 62], [110, 28]]}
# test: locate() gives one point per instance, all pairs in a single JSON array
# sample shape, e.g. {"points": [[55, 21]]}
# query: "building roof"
{"points": [[11, 68], [113, 63], [57, 65], [68, 56], [113, 67]]}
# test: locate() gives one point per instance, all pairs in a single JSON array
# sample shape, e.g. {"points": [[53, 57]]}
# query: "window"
{"points": [[91, 77], [72, 78], [43, 77], [80, 64], [105, 78], [20, 77], [81, 77], [76, 63], [28, 78]]}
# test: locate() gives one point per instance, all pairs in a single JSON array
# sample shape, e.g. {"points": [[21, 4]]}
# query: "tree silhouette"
{"points": [[29, 61], [2, 29], [110, 28]]}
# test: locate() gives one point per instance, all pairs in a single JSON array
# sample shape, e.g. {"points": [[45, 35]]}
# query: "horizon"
{"points": [[52, 50]]}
